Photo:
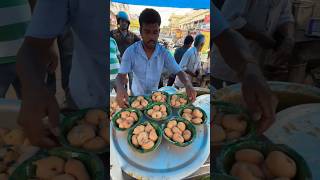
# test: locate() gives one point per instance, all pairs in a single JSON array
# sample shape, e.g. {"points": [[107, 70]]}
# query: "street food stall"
{"points": [[161, 116]]}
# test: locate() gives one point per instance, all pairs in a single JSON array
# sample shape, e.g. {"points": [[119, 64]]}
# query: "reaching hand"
{"points": [[34, 108], [192, 94], [122, 98], [259, 99]]}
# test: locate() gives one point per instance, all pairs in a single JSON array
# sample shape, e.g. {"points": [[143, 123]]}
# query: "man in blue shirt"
{"points": [[147, 59], [256, 93]]}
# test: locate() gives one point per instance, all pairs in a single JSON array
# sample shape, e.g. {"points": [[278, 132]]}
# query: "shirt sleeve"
{"points": [[185, 61], [126, 62], [286, 13], [217, 23], [170, 63], [233, 11], [49, 19]]}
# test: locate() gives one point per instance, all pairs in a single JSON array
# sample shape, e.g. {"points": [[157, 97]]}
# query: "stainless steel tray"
{"points": [[167, 162], [299, 128]]}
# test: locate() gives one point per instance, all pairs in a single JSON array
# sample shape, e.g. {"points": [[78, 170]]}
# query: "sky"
{"points": [[165, 12]]}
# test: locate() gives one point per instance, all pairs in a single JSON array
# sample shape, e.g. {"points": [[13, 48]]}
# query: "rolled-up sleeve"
{"points": [[170, 63], [126, 62], [217, 23], [233, 11], [49, 19], [286, 13]]}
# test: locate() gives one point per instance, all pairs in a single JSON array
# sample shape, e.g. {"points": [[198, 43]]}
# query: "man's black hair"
{"points": [[149, 16], [188, 40]]}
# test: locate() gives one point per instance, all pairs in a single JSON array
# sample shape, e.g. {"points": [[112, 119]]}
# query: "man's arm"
{"points": [[174, 68], [122, 80], [32, 62], [256, 92], [262, 38], [49, 19], [235, 51]]}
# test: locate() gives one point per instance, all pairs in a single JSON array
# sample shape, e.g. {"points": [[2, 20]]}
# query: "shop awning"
{"points": [[194, 4]]}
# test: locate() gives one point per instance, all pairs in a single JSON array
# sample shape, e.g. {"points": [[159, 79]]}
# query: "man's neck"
{"points": [[124, 32], [148, 51]]}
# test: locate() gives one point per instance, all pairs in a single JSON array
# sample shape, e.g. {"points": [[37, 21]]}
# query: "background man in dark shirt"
{"points": [[179, 53], [123, 36]]}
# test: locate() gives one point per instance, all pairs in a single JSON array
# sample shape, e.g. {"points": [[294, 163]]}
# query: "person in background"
{"points": [[268, 26], [191, 60], [88, 76], [259, 99], [147, 59], [123, 36], [12, 32], [114, 63], [179, 52]]}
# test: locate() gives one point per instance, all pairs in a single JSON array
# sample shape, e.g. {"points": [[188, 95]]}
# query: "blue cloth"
{"points": [[147, 72], [88, 78], [195, 4], [218, 24]]}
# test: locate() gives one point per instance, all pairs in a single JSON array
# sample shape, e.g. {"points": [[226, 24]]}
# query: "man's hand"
{"points": [[192, 94], [259, 99], [122, 94], [122, 98], [37, 105], [53, 57]]}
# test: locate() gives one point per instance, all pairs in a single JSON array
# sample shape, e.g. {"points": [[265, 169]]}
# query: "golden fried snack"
{"points": [[76, 168], [249, 155], [94, 116], [94, 144], [64, 177], [14, 137], [147, 145], [104, 132], [144, 136], [177, 138], [4, 176], [281, 165], [153, 135], [246, 171], [218, 134], [80, 134], [168, 132], [186, 135], [49, 167]]}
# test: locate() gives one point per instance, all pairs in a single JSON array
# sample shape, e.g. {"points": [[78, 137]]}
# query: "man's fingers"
{"points": [[264, 124], [268, 105], [54, 117], [252, 104]]}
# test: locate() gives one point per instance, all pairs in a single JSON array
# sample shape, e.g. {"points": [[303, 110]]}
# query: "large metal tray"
{"points": [[167, 162], [299, 128]]}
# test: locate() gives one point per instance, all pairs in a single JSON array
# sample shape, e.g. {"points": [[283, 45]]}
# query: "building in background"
{"points": [[114, 9], [197, 21]]}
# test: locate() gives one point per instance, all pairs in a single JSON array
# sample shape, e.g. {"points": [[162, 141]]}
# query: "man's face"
{"points": [[150, 34], [123, 24]]}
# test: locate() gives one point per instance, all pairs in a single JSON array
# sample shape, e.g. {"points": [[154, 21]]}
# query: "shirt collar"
{"points": [[141, 51]]}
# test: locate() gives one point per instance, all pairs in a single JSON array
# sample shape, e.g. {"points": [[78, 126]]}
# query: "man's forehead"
{"points": [[150, 26]]}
